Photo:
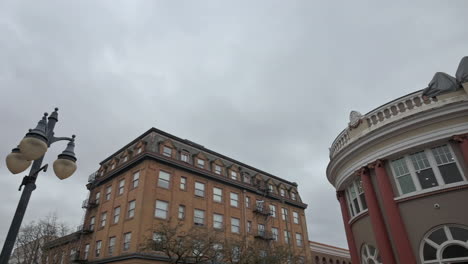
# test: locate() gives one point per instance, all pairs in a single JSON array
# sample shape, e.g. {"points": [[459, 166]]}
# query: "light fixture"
{"points": [[16, 162], [34, 144], [65, 165]]}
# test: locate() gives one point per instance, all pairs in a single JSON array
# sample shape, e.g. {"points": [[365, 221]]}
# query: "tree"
{"points": [[32, 237]]}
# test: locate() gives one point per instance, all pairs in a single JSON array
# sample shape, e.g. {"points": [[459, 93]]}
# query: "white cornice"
{"points": [[329, 250]]}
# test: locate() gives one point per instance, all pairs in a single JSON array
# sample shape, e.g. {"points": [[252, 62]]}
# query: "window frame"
{"points": [[135, 179], [167, 153], [235, 229], [108, 195], [103, 220], [162, 182], [183, 183], [195, 217], [201, 192], [121, 187], [217, 196], [296, 217], [127, 239], [220, 223], [184, 156], [236, 200], [131, 210], [181, 212], [116, 217], [164, 211]]}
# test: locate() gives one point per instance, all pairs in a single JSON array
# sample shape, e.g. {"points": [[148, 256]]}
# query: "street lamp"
{"points": [[31, 150]]}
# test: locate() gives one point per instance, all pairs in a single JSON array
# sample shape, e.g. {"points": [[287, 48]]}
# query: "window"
{"points": [[274, 233], [234, 175], [287, 237], [217, 221], [136, 179], [234, 199], [298, 240], [92, 221], [121, 186], [126, 241], [111, 246], [249, 226], [183, 183], [218, 169], [98, 248], [247, 202], [217, 195], [113, 166], [356, 197], [426, 169], [293, 196], [131, 209], [164, 179], [86, 251], [273, 210], [181, 214], [103, 219], [282, 192], [158, 237], [199, 189], [162, 209], [125, 159], [97, 197], [270, 187], [199, 217], [201, 163], [108, 192], [247, 178], [167, 151], [295, 217], [184, 157], [235, 225], [116, 214], [139, 150], [284, 213], [370, 255], [261, 230], [445, 244]]}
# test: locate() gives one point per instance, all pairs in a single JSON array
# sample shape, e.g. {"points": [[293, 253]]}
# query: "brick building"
{"points": [[158, 179]]}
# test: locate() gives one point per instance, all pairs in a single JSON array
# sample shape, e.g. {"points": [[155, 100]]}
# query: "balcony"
{"points": [[265, 235], [76, 258], [84, 229], [262, 211], [89, 204]]}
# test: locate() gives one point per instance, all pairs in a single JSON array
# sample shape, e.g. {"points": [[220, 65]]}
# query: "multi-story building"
{"points": [[158, 179], [327, 254], [401, 171]]}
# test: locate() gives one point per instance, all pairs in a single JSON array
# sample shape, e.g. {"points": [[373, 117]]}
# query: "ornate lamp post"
{"points": [[31, 150]]}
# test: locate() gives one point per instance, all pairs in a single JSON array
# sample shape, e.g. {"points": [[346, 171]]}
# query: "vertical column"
{"points": [[378, 225], [395, 222], [349, 233], [463, 141]]}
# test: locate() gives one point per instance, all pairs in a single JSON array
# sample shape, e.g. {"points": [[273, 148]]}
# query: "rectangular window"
{"points": [[282, 192], [423, 169], [361, 194], [108, 193], [139, 150], [274, 233], [235, 225], [103, 219], [298, 240], [234, 175], [284, 213], [295, 217], [247, 202], [111, 247], [164, 179], [199, 217], [199, 189], [446, 164], [116, 214], [201, 163], [234, 199], [184, 157], [270, 188], [181, 214], [249, 226], [183, 183], [97, 197], [125, 159], [293, 196], [218, 169], [261, 230], [92, 221], [121, 186], [136, 179], [247, 178], [217, 195], [273, 210], [217, 221], [403, 176], [98, 248], [167, 151], [287, 237], [162, 209], [131, 209], [126, 241], [86, 251]]}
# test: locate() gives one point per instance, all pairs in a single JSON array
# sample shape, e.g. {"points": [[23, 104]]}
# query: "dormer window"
{"points": [[234, 175], [125, 159], [113, 166], [293, 196], [139, 150], [184, 157], [167, 151], [218, 169], [201, 163], [282, 192], [247, 178], [270, 187]]}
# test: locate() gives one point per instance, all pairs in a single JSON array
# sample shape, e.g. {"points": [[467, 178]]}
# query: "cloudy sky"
{"points": [[270, 83]]}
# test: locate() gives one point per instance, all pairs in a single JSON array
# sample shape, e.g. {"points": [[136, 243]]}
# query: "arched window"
{"points": [[445, 244], [324, 260], [317, 260], [370, 255]]}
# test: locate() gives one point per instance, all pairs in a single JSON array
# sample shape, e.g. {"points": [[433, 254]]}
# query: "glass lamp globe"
{"points": [[64, 167], [32, 148], [16, 162]]}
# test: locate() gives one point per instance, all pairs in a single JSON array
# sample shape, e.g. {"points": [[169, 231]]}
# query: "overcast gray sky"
{"points": [[270, 83]]}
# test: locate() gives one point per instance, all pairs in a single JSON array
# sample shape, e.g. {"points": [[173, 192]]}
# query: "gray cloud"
{"points": [[269, 83]]}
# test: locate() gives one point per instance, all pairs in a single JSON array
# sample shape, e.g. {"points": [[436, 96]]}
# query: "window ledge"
{"points": [[358, 216], [431, 191]]}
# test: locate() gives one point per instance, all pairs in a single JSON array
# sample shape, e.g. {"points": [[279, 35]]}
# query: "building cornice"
{"points": [[329, 250]]}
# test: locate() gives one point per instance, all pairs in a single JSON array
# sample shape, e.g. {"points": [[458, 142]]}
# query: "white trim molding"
{"points": [[329, 250]]}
